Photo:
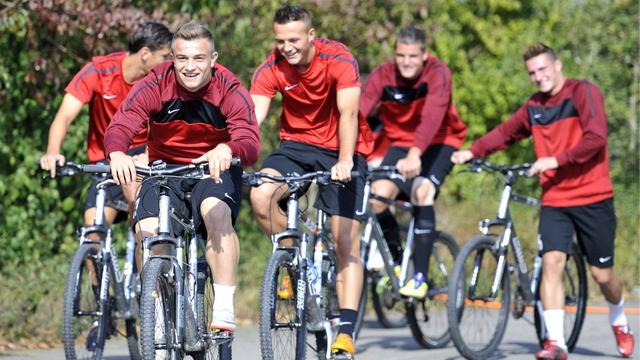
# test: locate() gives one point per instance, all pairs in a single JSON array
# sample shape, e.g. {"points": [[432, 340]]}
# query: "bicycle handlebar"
{"points": [[255, 179], [478, 165]]}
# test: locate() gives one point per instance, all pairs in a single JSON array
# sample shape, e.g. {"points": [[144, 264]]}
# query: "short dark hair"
{"points": [[538, 49], [152, 35], [194, 30], [411, 35], [288, 13]]}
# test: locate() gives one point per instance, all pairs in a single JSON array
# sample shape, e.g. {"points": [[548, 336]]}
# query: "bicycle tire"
{"points": [[428, 318], [465, 329], [77, 331], [204, 314], [278, 318], [157, 311], [330, 304], [575, 300]]}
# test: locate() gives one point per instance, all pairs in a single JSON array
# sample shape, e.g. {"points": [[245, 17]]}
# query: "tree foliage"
{"points": [[45, 42]]}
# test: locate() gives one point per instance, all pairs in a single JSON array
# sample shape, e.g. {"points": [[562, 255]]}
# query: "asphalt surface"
{"points": [[520, 342]]}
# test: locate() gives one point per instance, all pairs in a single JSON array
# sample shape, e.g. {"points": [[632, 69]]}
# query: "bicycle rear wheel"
{"points": [[478, 318], [428, 318], [218, 345], [157, 311], [282, 332], [574, 281]]}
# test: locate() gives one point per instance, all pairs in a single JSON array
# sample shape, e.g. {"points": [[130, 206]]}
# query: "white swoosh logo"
{"points": [[229, 197], [537, 116], [108, 97], [604, 259], [421, 231], [398, 96], [172, 111], [289, 87]]}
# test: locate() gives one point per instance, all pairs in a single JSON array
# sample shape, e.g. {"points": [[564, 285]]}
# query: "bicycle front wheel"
{"points": [[428, 318], [574, 281], [282, 331], [477, 315], [158, 311], [81, 311], [217, 345]]}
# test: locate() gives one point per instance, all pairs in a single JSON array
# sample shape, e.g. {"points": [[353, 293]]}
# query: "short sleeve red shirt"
{"points": [[310, 111], [101, 84]]}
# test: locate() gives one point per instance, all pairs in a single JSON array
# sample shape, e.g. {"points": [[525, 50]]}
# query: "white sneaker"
{"points": [[223, 320]]}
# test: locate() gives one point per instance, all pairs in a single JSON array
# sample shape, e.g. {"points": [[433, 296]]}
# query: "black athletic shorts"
{"points": [[115, 197], [436, 165], [593, 224], [187, 194], [342, 200]]}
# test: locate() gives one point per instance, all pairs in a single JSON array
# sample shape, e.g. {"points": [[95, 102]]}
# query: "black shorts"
{"points": [[187, 194], [342, 200], [115, 197], [593, 224], [436, 165]]}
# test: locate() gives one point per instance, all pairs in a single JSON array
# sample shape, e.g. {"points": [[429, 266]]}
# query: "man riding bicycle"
{"points": [[567, 120], [411, 95], [197, 111], [104, 83], [320, 130]]}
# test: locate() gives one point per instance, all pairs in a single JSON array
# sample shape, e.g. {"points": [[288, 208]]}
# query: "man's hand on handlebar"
{"points": [[49, 161], [123, 168], [219, 160], [461, 156], [543, 164], [341, 171]]}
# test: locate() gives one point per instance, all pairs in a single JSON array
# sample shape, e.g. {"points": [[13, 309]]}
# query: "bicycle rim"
{"points": [[574, 281], [157, 311], [428, 318], [477, 319], [81, 320], [282, 333]]}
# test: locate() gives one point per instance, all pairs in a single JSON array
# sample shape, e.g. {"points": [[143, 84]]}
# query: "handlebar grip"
{"points": [[96, 168], [235, 161]]}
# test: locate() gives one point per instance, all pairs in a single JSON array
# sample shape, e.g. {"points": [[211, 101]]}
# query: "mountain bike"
{"points": [[177, 296], [480, 288], [427, 318], [98, 292], [310, 267]]}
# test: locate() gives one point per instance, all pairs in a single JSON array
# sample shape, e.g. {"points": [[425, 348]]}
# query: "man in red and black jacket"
{"points": [[196, 111], [567, 120], [411, 95]]}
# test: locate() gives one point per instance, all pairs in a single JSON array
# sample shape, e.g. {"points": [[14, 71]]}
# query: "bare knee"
{"points": [[260, 200], [602, 276], [424, 192], [216, 214], [553, 263]]}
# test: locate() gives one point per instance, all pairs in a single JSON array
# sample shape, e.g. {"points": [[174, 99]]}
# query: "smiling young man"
{"points": [[196, 111], [319, 130], [104, 83], [567, 120], [411, 95]]}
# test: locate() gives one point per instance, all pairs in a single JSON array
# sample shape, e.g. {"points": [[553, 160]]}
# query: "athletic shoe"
{"points": [[624, 339], [343, 347], [383, 283], [285, 289], [551, 351], [223, 320], [416, 287]]}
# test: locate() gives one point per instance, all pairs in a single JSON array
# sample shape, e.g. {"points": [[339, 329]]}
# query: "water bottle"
{"points": [[318, 250], [128, 264]]}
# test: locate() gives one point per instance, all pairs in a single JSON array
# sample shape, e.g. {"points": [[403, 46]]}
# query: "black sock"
{"points": [[391, 232], [424, 236], [348, 319]]}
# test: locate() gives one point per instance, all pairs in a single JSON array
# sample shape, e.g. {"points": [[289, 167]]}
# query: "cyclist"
{"points": [[567, 120], [411, 95], [320, 130], [103, 83], [196, 111]]}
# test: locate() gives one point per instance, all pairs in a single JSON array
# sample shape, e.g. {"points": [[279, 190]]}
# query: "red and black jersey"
{"points": [[309, 99], [101, 84], [416, 112], [570, 126], [183, 125]]}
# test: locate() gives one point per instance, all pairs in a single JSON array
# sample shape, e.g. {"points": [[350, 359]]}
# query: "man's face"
{"points": [[546, 73], [193, 60], [410, 60], [157, 57], [295, 42]]}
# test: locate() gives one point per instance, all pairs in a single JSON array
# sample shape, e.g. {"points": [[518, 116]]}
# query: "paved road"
{"points": [[596, 342]]}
